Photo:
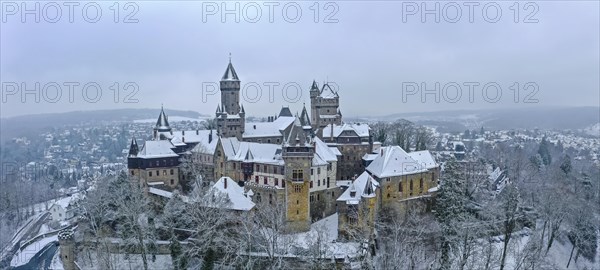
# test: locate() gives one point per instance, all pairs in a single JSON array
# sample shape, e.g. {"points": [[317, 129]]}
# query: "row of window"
{"points": [[171, 172], [319, 183], [266, 181]]}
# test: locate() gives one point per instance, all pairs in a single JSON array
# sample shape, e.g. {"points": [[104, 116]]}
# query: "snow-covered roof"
{"points": [[424, 158], [154, 149], [362, 130], [258, 152], [324, 151], [268, 129], [238, 198], [364, 186], [201, 138], [160, 192], [394, 161], [230, 146], [327, 92], [65, 202]]}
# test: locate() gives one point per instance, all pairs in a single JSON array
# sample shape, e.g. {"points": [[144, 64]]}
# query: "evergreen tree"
{"points": [[450, 208], [545, 152], [565, 165]]}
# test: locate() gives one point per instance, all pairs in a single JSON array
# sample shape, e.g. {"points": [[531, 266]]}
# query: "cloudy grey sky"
{"points": [[370, 52]]}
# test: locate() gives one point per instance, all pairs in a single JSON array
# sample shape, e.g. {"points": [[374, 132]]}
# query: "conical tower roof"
{"points": [[230, 74], [162, 124], [133, 148]]}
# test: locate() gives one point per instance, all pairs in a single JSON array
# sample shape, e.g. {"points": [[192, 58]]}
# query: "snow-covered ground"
{"points": [[557, 256], [325, 231], [23, 256]]}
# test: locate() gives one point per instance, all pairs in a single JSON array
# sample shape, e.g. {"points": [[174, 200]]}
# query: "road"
{"points": [[42, 259], [29, 230]]}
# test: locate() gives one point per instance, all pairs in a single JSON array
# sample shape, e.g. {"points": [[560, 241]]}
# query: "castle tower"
{"points": [[324, 106], [230, 91], [297, 153], [67, 249], [230, 116], [162, 129]]}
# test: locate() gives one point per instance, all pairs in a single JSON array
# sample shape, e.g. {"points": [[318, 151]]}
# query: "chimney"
{"points": [[183, 139], [382, 151], [197, 132], [225, 183], [331, 134], [210, 136], [183, 133], [254, 126]]}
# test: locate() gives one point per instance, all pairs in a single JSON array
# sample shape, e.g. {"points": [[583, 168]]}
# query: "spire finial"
{"points": [[230, 58]]}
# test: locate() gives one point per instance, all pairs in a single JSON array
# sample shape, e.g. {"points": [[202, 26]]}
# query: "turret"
{"points": [[67, 249], [314, 90], [162, 124], [230, 90], [133, 148]]}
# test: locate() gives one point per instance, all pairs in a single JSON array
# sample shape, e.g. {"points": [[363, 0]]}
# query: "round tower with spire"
{"points": [[230, 115]]}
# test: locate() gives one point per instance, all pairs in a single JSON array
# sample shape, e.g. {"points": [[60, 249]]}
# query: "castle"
{"points": [[313, 166]]}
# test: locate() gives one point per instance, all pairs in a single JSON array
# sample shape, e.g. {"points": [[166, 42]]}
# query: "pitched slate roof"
{"points": [[236, 196], [328, 92], [268, 129], [394, 161], [157, 149], [362, 130], [364, 187]]}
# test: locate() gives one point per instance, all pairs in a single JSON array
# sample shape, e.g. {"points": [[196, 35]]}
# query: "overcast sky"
{"points": [[370, 52]]}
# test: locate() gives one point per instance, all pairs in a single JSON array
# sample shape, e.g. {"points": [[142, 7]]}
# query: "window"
{"points": [[157, 172], [332, 194], [311, 172], [257, 168], [297, 175], [132, 172], [327, 182], [282, 183], [319, 183], [164, 172], [150, 174], [312, 198], [297, 188], [157, 163], [411, 185], [276, 182], [258, 198], [318, 197], [421, 183], [400, 187], [172, 182], [234, 166], [297, 201], [319, 170], [256, 178], [311, 184], [265, 169], [275, 169], [270, 198], [266, 180], [171, 171]]}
